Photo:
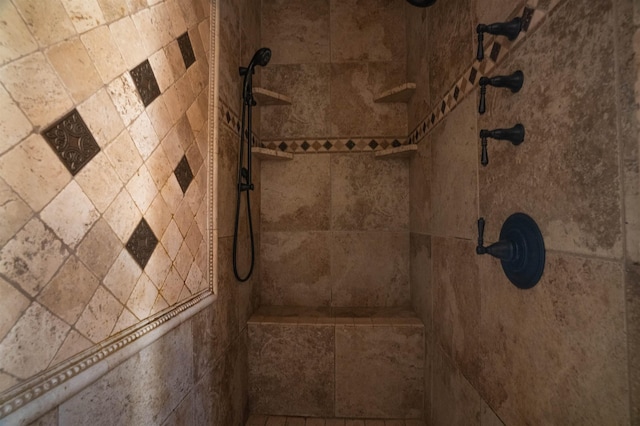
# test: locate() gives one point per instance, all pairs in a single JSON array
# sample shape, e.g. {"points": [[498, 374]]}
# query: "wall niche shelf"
{"points": [[400, 93], [397, 152], [269, 97], [271, 154]]}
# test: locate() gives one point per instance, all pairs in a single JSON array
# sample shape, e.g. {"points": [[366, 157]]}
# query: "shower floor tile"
{"points": [[262, 420]]}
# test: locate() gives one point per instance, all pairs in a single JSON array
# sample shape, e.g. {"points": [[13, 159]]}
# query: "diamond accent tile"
{"points": [[495, 51], [526, 18], [187, 51], [183, 173], [456, 93], [305, 145], [443, 106], [373, 144], [146, 83], [282, 146], [327, 145], [396, 143], [350, 144], [142, 243], [71, 139], [472, 75]]}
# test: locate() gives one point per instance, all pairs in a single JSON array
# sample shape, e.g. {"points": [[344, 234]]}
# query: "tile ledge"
{"points": [[401, 93], [271, 154], [397, 152], [266, 97], [51, 388]]}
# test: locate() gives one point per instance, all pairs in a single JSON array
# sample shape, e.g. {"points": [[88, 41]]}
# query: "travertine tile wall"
{"points": [[68, 282], [564, 351], [334, 227]]}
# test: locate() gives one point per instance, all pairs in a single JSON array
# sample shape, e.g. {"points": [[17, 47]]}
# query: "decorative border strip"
{"points": [[213, 138], [497, 49], [51, 379]]}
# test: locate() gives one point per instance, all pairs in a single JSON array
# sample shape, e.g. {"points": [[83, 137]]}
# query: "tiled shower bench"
{"points": [[336, 362]]}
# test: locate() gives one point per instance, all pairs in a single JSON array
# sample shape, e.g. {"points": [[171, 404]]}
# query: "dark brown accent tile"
{"points": [[184, 42], [183, 173], [146, 83], [72, 141], [142, 243], [526, 18], [495, 51]]}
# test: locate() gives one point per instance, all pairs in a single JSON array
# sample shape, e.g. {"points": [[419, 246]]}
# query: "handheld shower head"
{"points": [[422, 3], [261, 57]]}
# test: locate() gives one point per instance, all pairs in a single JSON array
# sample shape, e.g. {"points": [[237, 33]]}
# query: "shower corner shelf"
{"points": [[401, 93], [269, 97], [271, 154], [397, 152]]}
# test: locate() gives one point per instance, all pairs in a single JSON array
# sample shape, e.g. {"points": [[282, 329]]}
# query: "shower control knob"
{"points": [[514, 134], [512, 82], [509, 29]]}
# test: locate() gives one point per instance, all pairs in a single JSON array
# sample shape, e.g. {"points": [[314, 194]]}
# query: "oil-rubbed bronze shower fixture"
{"points": [[509, 29], [512, 82], [520, 249], [514, 134]]}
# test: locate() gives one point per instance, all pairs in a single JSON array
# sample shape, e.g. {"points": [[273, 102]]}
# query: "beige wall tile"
{"points": [[70, 228], [33, 171], [160, 117], [298, 32], [572, 185], [149, 30], [277, 355], [172, 287], [122, 277], [125, 97], [568, 352], [295, 268], [420, 171], [16, 38], [13, 124], [32, 257], [195, 281], [72, 63], [124, 156], [296, 195], [84, 14], [421, 278], [101, 116], [172, 194], [455, 160], [368, 194], [42, 97], [73, 344], [374, 32], [99, 249], [143, 135], [14, 212], [69, 291], [158, 215], [448, 55], [113, 9], [39, 334], [123, 216], [354, 86], [162, 69], [39, 15], [488, 417], [178, 24], [379, 371], [183, 261], [126, 319], [455, 401], [172, 240], [142, 189], [417, 64], [105, 54], [158, 166], [143, 297], [126, 36], [99, 317], [369, 269], [490, 11], [158, 266], [99, 181], [12, 306]]}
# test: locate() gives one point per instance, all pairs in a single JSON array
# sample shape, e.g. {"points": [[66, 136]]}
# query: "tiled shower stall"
{"points": [[119, 131]]}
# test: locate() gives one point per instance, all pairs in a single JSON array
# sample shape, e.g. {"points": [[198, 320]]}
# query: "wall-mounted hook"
{"points": [[513, 82], [509, 29], [520, 249], [515, 135]]}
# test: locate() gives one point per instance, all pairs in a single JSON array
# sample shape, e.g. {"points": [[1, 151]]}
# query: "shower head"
{"points": [[261, 57], [422, 3]]}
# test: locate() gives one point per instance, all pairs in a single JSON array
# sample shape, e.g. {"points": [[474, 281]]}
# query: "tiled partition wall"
{"points": [[104, 166], [563, 352]]}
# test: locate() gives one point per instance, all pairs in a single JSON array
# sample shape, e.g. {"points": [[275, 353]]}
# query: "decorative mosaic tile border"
{"points": [[497, 49], [51, 379]]}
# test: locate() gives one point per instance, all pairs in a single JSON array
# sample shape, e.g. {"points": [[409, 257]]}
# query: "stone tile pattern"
{"points": [[336, 362], [142, 243], [60, 227], [145, 82], [339, 239], [559, 353], [187, 51], [72, 141], [183, 173], [260, 420]]}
